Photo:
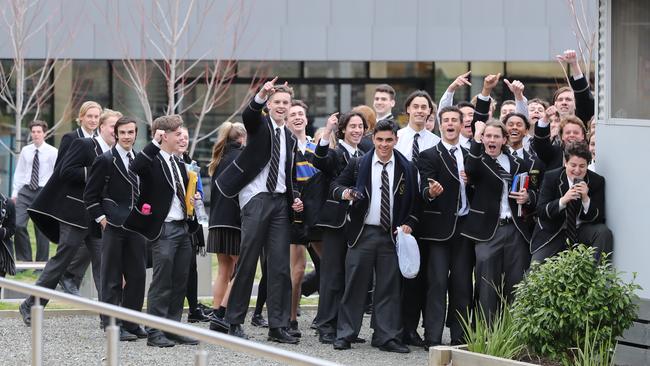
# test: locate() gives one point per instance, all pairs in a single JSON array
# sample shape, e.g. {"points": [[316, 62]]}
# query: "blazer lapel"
{"points": [[514, 165], [165, 169], [119, 164], [563, 184], [398, 177], [447, 160]]}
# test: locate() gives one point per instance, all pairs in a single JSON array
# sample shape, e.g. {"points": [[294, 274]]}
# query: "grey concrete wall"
{"points": [[622, 151], [337, 30]]}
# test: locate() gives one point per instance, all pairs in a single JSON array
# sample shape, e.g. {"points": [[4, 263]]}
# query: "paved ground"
{"points": [[77, 340]]}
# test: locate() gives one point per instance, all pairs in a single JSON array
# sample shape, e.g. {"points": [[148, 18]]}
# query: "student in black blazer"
{"points": [[517, 125], [88, 120], [349, 129], [110, 195], [224, 236], [7, 230], [163, 182], [572, 129], [493, 221], [374, 216], [450, 261], [60, 213], [262, 176], [90, 114], [559, 192]]}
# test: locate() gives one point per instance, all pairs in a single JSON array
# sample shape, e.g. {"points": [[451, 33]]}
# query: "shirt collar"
{"points": [[412, 131], [165, 155], [123, 153], [448, 146], [375, 159], [348, 147], [105, 147], [86, 133], [275, 125]]}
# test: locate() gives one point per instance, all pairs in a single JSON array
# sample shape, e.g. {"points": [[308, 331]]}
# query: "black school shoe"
{"points": [[293, 329], [280, 335], [196, 316], [258, 321], [394, 346], [218, 324]]}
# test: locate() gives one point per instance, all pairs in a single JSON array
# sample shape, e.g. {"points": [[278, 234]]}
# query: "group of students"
{"points": [[483, 197]]}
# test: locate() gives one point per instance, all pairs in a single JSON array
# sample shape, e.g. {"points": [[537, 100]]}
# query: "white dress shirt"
{"points": [[464, 207], [520, 152], [123, 154], [86, 133], [465, 142], [104, 146], [176, 210], [505, 211], [125, 160], [258, 184], [374, 207], [23, 173], [405, 141]]}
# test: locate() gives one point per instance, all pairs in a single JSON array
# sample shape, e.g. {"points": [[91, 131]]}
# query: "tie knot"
{"points": [[416, 136], [384, 165], [277, 130], [453, 149]]}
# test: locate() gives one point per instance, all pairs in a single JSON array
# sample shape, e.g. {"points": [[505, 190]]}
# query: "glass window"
{"points": [[90, 81], [323, 100], [400, 69], [327, 69], [284, 69], [482, 69], [630, 60], [534, 69], [445, 74]]}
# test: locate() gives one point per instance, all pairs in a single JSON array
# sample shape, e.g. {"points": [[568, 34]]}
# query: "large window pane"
{"points": [[549, 69], [630, 57], [445, 74], [400, 69], [283, 69], [326, 69]]}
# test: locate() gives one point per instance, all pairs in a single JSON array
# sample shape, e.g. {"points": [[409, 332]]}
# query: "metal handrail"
{"points": [[201, 334]]}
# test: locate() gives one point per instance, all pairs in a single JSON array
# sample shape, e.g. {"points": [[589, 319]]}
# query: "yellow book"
{"points": [[190, 191]]}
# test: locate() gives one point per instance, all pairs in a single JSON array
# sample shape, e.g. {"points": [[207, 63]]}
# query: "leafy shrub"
{"points": [[559, 299]]}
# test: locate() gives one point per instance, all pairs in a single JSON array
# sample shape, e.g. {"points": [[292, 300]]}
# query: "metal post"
{"points": [[37, 332], [112, 343], [201, 356]]}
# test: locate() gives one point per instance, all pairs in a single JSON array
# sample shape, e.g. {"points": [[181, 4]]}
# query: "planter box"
{"points": [[460, 356]]}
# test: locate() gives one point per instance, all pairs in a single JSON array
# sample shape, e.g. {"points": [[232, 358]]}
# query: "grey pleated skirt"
{"points": [[224, 240]]}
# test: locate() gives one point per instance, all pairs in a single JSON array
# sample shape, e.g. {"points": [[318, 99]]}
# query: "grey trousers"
{"points": [[123, 256], [21, 239], [264, 223], [500, 264], [332, 279], [598, 236], [171, 255], [374, 251], [71, 238], [449, 268]]}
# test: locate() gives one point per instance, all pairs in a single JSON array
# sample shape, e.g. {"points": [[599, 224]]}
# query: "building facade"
{"points": [[333, 52]]}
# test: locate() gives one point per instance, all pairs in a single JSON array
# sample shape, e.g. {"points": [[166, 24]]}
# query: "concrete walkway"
{"points": [[77, 340]]}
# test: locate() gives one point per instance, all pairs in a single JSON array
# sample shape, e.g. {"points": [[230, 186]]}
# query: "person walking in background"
{"points": [[35, 166]]}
